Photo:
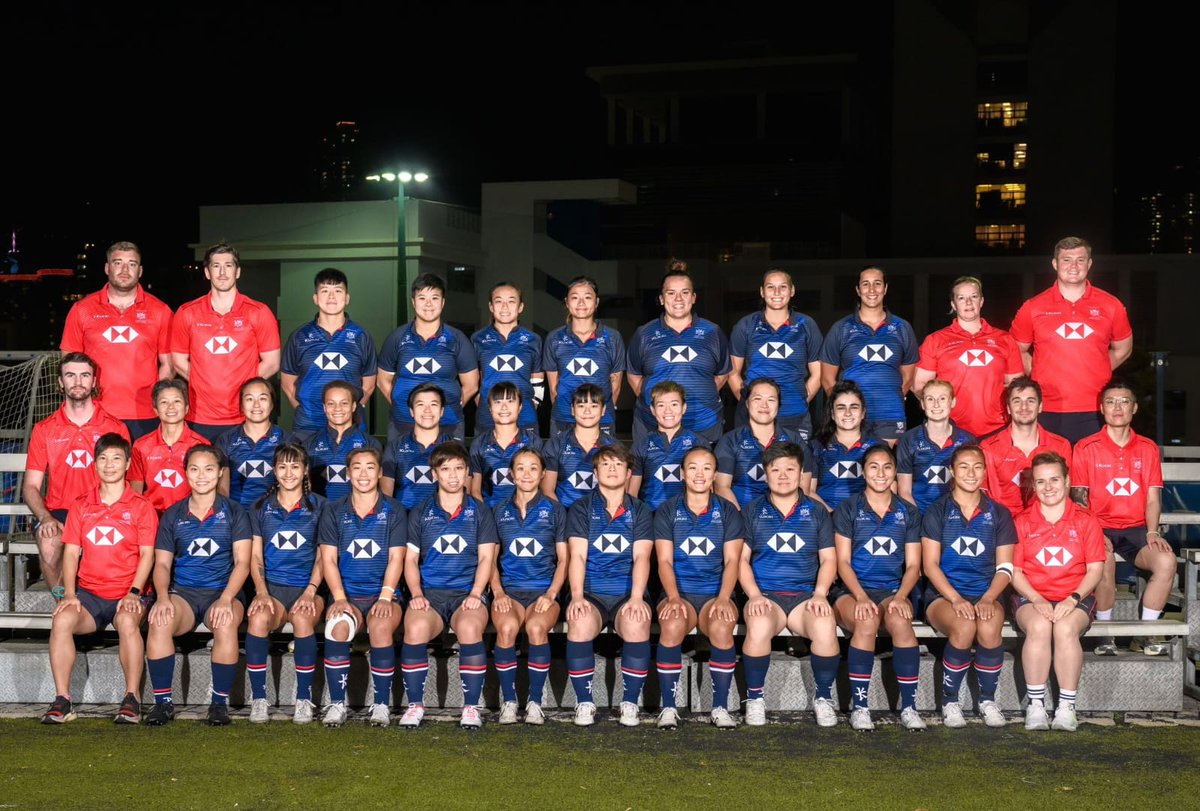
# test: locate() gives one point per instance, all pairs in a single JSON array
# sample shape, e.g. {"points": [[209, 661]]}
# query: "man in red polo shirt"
{"points": [[1118, 476], [221, 340], [127, 331], [1072, 337], [157, 467], [109, 542], [62, 446], [1008, 452]]}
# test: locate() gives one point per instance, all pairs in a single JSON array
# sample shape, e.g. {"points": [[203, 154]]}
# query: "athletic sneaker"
{"points": [[721, 718], [585, 714], [413, 716], [668, 718], [508, 713], [1150, 645], [60, 711], [218, 715], [1065, 718], [629, 714], [161, 714], [755, 712], [380, 715], [992, 716], [1107, 647], [335, 714], [826, 713], [130, 711], [258, 711], [471, 719], [303, 713], [860, 719], [911, 720], [534, 714], [952, 716], [1035, 716]]}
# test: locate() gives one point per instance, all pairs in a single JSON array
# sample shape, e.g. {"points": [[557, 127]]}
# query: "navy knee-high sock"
{"points": [[383, 671], [256, 664], [825, 670], [860, 663], [506, 670], [539, 669], [581, 665], [414, 664], [756, 675], [721, 664], [907, 662], [988, 664], [635, 666], [670, 666], [337, 669], [472, 666], [162, 678], [955, 662]]}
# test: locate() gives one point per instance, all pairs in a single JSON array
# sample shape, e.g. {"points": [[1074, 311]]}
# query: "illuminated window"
{"points": [[1018, 159], [1003, 113], [1004, 237], [1001, 195]]}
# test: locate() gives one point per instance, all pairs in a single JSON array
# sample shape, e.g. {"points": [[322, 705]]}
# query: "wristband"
{"points": [[1005, 568], [385, 598], [388, 589], [313, 586], [1153, 532]]}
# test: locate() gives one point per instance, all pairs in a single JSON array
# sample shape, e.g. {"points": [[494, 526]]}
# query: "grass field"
{"points": [[94, 764]]}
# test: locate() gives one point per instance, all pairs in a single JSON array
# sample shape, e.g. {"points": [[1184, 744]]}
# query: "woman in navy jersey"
{"points": [[833, 466], [286, 572], [249, 448], [527, 582]]}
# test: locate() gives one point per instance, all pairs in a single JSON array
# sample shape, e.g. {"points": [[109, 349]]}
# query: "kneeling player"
{"points": [[532, 528], [788, 566], [698, 538], [878, 538], [362, 557], [117, 527], [202, 558], [610, 535], [451, 551]]}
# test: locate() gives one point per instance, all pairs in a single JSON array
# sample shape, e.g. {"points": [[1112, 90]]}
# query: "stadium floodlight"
{"points": [[406, 273]]}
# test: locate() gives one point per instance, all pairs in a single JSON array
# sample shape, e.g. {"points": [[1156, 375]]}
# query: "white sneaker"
{"points": [[629, 714], [534, 714], [1035, 716], [1065, 718], [827, 713], [668, 718], [755, 712], [952, 716], [413, 716], [911, 720], [259, 714], [721, 718], [860, 719], [992, 715], [508, 713], [379, 716], [585, 714], [471, 719], [303, 713], [335, 714]]}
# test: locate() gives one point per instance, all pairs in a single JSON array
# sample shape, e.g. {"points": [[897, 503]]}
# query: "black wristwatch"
{"points": [[134, 590], [1078, 599]]}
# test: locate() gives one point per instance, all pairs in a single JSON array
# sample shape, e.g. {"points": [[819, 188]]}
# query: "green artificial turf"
{"points": [[94, 764]]}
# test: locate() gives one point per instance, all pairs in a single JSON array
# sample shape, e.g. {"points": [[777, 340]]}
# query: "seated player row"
{"points": [[781, 548]]}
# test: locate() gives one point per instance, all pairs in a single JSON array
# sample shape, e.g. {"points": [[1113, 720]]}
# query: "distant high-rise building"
{"points": [[335, 164]]}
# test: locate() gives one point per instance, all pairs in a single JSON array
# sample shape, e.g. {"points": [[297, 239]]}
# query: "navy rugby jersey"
{"points": [[699, 560], [785, 548], [327, 459], [739, 455], [511, 360], [878, 544], [691, 358], [781, 354], [609, 571], [448, 545], [969, 544], [660, 464], [317, 358], [289, 539], [407, 462], [203, 548], [573, 464], [363, 543], [251, 464], [928, 464], [578, 362], [838, 469], [414, 361], [493, 463], [528, 552], [872, 358]]}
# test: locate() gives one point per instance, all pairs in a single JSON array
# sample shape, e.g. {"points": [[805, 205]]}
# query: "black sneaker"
{"points": [[218, 715], [130, 711], [161, 714], [60, 711]]}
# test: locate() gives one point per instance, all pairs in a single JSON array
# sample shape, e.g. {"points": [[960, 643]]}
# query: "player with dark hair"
{"points": [[740, 476], [658, 457], [406, 472], [157, 467], [570, 474], [249, 448], [1010, 450], [833, 465], [342, 433], [509, 353], [492, 449]]}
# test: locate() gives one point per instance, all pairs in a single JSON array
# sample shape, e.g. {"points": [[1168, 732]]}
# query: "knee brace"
{"points": [[348, 620]]}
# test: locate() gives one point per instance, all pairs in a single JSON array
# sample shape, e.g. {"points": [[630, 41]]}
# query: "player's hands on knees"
{"points": [[65, 603], [1063, 610], [963, 608], [577, 609], [260, 603], [819, 606], [1159, 544], [131, 603], [305, 606], [543, 603], [865, 610], [338, 608], [50, 528], [472, 602], [672, 607], [758, 607], [901, 607], [986, 608], [723, 610], [221, 613], [163, 612], [502, 604], [382, 609], [1044, 609], [636, 610], [418, 604]]}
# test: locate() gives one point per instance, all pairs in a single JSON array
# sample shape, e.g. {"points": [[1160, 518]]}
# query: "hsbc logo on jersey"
{"points": [[881, 546], [79, 459], [202, 548], [582, 367], [697, 546], [423, 366], [975, 357], [220, 345], [1053, 556], [669, 474], [757, 474], [285, 540], [876, 353], [254, 469], [786, 542], [501, 476], [1122, 487], [450, 544], [967, 547], [611, 544], [330, 361], [937, 474], [1074, 330], [582, 480], [679, 354], [363, 549], [168, 478], [420, 474], [506, 363], [120, 335], [846, 470], [104, 536], [775, 350], [525, 547], [336, 474]]}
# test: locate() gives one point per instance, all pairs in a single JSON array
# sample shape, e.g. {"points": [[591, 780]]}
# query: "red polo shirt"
{"points": [[1054, 557], [1117, 478], [64, 451], [111, 535], [159, 466], [975, 364], [1008, 466]]}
